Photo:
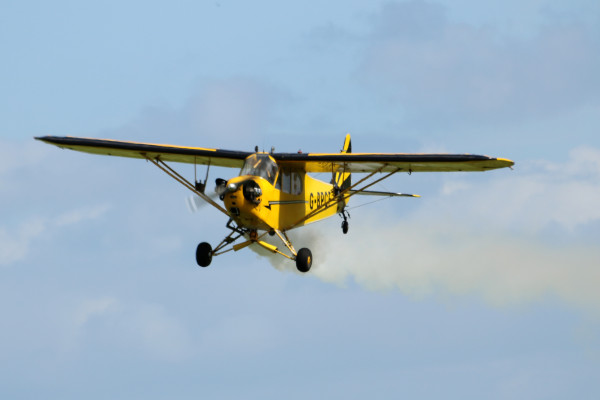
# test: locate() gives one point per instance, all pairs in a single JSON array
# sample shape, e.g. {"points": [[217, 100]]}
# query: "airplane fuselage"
{"points": [[256, 203]]}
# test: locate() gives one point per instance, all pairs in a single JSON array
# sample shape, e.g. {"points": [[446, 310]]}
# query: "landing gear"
{"points": [[304, 260], [204, 254]]}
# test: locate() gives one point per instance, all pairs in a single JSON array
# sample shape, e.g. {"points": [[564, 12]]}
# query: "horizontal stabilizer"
{"points": [[376, 193]]}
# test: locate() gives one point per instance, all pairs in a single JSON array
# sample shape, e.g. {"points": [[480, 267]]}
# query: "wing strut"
{"points": [[347, 193], [359, 191], [173, 174]]}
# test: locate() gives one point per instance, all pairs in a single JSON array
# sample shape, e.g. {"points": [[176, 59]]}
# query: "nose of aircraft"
{"points": [[250, 188]]}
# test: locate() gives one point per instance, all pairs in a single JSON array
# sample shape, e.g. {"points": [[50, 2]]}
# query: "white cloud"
{"points": [[15, 242], [146, 327], [16, 156], [533, 197], [80, 214], [91, 308], [15, 245]]}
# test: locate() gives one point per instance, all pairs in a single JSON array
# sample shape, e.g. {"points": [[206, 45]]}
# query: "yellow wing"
{"points": [[388, 162], [191, 155], [309, 162]]}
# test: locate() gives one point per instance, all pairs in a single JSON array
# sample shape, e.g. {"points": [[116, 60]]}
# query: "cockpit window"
{"points": [[260, 165], [289, 181]]}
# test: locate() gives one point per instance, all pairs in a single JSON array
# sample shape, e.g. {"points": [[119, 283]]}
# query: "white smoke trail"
{"points": [[420, 260], [277, 261], [496, 247], [303, 237]]}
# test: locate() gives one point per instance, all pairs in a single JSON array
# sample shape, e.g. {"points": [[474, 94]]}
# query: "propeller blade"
{"points": [[194, 203]]}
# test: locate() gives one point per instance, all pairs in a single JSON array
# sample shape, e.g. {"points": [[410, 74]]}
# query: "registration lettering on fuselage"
{"points": [[318, 199]]}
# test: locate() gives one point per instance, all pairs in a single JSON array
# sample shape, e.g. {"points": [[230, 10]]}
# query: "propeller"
{"points": [[195, 202]]}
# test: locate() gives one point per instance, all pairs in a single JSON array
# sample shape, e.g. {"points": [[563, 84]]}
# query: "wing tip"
{"points": [[506, 162], [45, 139]]}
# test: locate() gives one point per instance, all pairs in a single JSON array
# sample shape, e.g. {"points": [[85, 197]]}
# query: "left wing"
{"points": [[388, 162], [191, 155]]}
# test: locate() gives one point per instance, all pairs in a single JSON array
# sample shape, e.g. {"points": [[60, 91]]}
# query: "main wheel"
{"points": [[304, 260], [204, 254]]}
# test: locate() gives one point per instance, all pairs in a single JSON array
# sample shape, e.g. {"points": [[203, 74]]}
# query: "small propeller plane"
{"points": [[274, 192]]}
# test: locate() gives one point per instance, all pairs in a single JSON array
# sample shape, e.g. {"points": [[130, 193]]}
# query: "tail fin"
{"points": [[342, 178]]}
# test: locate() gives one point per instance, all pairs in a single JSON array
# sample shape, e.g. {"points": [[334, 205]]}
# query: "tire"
{"points": [[304, 260], [204, 254], [345, 227]]}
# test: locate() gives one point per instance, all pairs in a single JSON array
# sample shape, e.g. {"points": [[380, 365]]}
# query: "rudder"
{"points": [[342, 178]]}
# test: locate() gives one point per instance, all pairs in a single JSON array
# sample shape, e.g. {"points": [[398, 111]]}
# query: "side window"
{"points": [[285, 181], [289, 182], [296, 183]]}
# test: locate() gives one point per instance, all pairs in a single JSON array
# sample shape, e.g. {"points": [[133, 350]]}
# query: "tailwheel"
{"points": [[345, 227], [304, 260], [345, 214], [204, 254]]}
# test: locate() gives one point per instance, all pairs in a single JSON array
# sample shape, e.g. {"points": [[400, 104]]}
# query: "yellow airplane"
{"points": [[274, 191]]}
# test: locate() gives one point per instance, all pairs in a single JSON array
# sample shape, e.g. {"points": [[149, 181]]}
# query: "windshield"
{"points": [[260, 165]]}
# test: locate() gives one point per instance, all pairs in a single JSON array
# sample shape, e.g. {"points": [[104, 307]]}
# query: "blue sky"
{"points": [[486, 287]]}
